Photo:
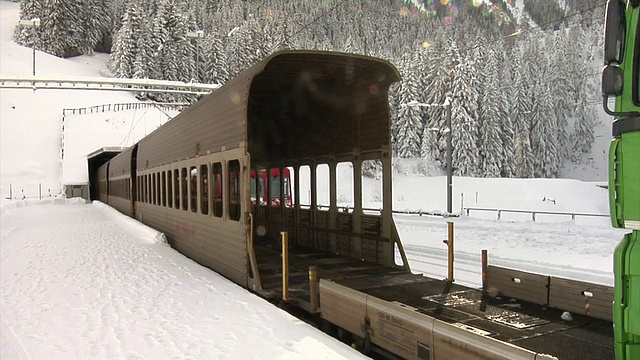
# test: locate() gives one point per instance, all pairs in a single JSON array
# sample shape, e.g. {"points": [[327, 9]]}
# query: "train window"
{"points": [[289, 182], [176, 189], [260, 187], [193, 186], [146, 188], [234, 190], [159, 189], [169, 190], [274, 187], [153, 189], [164, 189], [217, 189], [344, 186], [185, 180], [305, 186], [253, 187], [281, 187], [322, 187], [372, 175], [204, 189]]}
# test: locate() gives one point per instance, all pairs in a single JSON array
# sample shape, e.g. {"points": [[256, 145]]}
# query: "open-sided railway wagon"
{"points": [[303, 113]]}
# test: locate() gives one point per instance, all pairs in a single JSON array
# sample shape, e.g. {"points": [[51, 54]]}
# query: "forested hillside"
{"points": [[522, 76]]}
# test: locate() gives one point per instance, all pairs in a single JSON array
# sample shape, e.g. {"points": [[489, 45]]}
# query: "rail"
{"points": [[533, 212], [378, 210]]}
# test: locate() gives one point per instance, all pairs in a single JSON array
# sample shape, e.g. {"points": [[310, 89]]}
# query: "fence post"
{"points": [[450, 248], [313, 287], [285, 266], [10, 192], [485, 264], [40, 191]]}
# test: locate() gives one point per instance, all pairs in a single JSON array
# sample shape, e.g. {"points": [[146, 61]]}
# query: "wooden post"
{"points": [[285, 266], [485, 264], [313, 287], [450, 248]]}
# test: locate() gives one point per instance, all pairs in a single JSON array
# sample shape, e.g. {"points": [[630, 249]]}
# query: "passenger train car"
{"points": [[201, 179]]}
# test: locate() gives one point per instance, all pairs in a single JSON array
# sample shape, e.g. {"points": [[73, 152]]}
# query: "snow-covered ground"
{"points": [[81, 281]]}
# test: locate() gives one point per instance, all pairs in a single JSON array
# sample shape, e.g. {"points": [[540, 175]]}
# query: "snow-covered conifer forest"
{"points": [[522, 76]]}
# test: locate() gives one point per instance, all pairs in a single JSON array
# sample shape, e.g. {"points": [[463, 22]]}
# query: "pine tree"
{"points": [[583, 137], [491, 118], [464, 120], [562, 89], [523, 153], [123, 56], [521, 108], [28, 36], [409, 124], [437, 85], [215, 68], [94, 27], [543, 140]]}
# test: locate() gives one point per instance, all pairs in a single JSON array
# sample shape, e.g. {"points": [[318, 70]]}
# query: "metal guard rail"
{"points": [[534, 212]]}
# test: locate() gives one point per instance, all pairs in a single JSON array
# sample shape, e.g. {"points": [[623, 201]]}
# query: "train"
{"points": [[201, 179]]}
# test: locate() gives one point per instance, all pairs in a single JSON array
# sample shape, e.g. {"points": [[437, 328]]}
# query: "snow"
{"points": [[82, 281], [103, 286]]}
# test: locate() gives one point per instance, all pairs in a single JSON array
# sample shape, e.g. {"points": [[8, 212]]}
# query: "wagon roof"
{"points": [[305, 104]]}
